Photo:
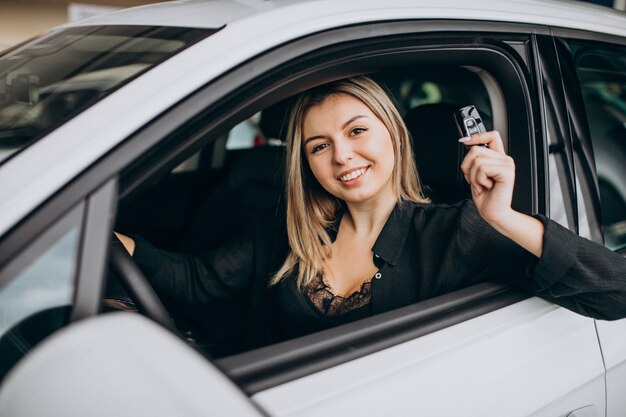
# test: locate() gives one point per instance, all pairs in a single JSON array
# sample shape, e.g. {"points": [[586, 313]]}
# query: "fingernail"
{"points": [[466, 179], [465, 139]]}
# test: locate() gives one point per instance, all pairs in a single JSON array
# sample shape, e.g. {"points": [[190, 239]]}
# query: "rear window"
{"points": [[48, 81]]}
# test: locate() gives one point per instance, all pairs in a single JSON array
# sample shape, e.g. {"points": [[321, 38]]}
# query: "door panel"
{"points": [[528, 359]]}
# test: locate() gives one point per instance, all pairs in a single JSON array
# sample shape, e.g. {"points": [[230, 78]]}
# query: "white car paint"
{"points": [[94, 367], [529, 359], [612, 335]]}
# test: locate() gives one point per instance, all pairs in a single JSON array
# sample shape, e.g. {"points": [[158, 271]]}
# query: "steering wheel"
{"points": [[136, 285]]}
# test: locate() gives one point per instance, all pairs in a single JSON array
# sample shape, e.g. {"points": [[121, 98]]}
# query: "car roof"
{"points": [[218, 13], [34, 175]]}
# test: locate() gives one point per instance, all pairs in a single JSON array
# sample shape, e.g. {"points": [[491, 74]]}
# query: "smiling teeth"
{"points": [[352, 175]]}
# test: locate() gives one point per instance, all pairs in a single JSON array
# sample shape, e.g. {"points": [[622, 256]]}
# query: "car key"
{"points": [[469, 122]]}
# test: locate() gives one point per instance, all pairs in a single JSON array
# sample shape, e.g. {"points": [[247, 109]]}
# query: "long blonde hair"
{"points": [[311, 210]]}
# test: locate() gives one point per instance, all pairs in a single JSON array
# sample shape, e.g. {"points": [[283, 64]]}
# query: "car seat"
{"points": [[252, 187]]}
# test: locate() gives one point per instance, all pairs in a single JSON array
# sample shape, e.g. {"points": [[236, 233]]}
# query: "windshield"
{"points": [[48, 81]]}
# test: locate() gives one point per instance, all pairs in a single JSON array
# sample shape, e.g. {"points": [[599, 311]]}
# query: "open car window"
{"points": [[217, 193], [189, 199]]}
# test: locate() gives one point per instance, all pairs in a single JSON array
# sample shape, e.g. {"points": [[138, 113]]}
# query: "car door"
{"points": [[484, 350]]}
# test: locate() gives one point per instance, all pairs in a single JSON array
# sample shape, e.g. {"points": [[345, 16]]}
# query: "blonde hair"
{"points": [[311, 210]]}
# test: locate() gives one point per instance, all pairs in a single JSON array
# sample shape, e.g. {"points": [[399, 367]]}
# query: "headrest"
{"points": [[273, 122], [258, 165], [438, 153]]}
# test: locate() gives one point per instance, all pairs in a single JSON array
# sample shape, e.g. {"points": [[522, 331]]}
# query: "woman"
{"points": [[362, 239]]}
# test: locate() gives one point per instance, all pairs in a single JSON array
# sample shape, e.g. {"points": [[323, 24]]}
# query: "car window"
{"points": [[37, 290], [602, 73], [217, 193], [51, 79], [224, 190]]}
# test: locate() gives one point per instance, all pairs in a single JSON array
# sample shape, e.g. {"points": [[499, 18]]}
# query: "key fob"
{"points": [[469, 122]]}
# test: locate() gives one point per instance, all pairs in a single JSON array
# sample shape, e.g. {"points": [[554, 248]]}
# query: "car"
{"points": [[168, 121]]}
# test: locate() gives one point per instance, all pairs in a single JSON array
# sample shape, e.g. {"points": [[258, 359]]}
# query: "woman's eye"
{"points": [[319, 147], [357, 131]]}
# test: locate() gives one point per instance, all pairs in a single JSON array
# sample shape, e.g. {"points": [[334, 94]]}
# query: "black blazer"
{"points": [[424, 250]]}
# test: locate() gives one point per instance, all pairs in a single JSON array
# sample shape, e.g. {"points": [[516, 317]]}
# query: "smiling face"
{"points": [[349, 150]]}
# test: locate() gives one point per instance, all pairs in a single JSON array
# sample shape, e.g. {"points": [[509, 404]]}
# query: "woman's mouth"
{"points": [[352, 175]]}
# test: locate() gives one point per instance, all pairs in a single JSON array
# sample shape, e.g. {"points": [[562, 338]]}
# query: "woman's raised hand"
{"points": [[491, 175]]}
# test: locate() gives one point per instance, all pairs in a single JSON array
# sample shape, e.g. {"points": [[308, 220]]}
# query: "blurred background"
{"points": [[22, 19]]}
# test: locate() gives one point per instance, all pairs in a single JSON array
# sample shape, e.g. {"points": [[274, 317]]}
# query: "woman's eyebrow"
{"points": [[352, 119], [309, 139]]}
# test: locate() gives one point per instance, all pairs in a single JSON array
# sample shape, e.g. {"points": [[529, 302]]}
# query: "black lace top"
{"points": [[323, 299], [298, 312]]}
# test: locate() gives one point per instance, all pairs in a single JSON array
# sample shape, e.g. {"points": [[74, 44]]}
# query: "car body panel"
{"points": [[528, 359], [102, 360], [328, 13]]}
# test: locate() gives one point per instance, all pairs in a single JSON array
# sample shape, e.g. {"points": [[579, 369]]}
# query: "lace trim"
{"points": [[322, 297]]}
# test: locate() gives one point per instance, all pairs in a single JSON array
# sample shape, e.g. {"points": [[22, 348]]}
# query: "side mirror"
{"points": [[119, 364]]}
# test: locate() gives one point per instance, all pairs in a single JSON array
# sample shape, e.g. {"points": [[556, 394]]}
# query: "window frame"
{"points": [[279, 74]]}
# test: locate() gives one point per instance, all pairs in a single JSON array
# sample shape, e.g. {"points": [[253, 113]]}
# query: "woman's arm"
{"points": [[571, 271], [216, 274], [491, 175]]}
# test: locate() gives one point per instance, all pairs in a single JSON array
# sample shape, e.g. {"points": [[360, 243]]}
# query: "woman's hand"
{"points": [[491, 175], [127, 242]]}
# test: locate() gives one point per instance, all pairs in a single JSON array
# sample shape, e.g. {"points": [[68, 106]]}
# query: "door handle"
{"points": [[588, 411]]}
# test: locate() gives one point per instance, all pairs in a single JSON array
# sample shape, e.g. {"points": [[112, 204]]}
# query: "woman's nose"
{"points": [[342, 152]]}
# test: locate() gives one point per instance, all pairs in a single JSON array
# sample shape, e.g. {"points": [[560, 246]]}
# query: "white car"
{"points": [[122, 122]]}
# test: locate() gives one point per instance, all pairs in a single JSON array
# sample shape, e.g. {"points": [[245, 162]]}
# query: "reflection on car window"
{"points": [[48, 81], [602, 73], [36, 290]]}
